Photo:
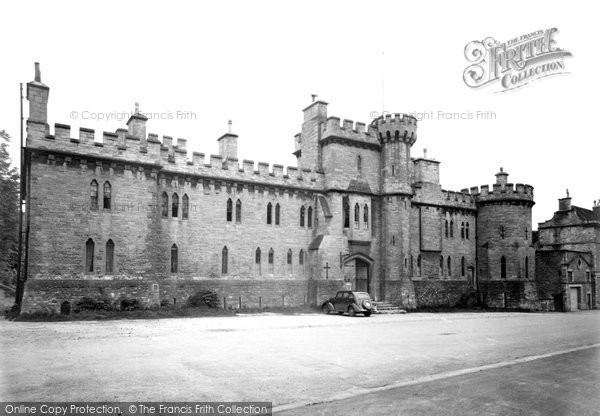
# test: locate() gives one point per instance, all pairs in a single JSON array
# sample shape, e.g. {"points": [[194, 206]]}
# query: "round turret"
{"points": [[504, 231], [399, 127], [396, 135]]}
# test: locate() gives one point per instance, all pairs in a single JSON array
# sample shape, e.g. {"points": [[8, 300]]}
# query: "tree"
{"points": [[9, 213]]}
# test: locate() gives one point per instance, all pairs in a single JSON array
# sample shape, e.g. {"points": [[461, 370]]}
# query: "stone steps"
{"points": [[387, 308]]}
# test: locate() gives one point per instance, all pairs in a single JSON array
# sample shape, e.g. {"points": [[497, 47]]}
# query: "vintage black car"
{"points": [[349, 301]]}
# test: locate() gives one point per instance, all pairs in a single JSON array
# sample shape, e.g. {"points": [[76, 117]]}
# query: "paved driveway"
{"points": [[284, 359]]}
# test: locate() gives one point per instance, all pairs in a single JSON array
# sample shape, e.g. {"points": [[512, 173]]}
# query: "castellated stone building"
{"points": [[126, 215]]}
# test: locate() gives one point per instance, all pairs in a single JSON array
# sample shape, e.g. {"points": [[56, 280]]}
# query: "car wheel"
{"points": [[351, 311], [367, 314], [325, 309]]}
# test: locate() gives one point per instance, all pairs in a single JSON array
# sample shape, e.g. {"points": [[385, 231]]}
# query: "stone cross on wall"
{"points": [[327, 270]]}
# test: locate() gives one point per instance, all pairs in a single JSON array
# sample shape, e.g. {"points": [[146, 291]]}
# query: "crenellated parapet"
{"points": [[348, 132], [462, 200], [396, 127], [499, 193], [169, 155]]}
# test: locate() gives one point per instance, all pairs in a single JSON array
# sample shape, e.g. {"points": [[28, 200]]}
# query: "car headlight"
{"points": [[367, 304]]}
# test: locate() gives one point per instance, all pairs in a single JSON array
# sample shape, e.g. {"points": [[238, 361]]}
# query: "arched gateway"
{"points": [[357, 271]]}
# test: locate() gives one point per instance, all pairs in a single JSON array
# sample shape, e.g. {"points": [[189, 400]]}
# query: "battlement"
{"points": [[168, 155], [396, 127], [334, 127], [502, 192]]}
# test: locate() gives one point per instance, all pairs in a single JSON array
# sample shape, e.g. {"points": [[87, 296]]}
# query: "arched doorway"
{"points": [[357, 270]]}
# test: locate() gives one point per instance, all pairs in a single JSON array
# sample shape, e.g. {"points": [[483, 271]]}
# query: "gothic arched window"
{"points": [[164, 205], [238, 211], [302, 212], [366, 216], [356, 215], [346, 210], [467, 231], [174, 259], [277, 214], [269, 213], [175, 206], [271, 261], [359, 164], [89, 256], [94, 194], [257, 261], [229, 210], [185, 208], [107, 196], [309, 217], [110, 257], [224, 260]]}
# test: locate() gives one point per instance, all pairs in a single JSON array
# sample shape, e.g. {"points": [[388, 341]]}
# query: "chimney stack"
{"points": [[564, 204], [37, 95], [228, 143], [501, 177], [136, 124]]}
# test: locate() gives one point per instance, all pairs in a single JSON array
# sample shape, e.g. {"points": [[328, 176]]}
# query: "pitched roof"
{"points": [[316, 243], [358, 185], [325, 206], [585, 214]]}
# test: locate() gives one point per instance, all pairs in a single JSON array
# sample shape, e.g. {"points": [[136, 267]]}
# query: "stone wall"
{"points": [[47, 295], [434, 293], [510, 294]]}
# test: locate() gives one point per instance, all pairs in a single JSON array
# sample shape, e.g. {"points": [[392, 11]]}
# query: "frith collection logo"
{"points": [[515, 63]]}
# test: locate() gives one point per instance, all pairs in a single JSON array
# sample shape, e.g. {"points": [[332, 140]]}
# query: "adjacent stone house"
{"points": [[568, 250]]}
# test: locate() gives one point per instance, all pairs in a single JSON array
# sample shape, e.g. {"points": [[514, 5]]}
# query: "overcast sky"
{"points": [[257, 63]]}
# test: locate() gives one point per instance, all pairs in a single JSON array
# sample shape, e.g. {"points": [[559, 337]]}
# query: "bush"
{"points": [[90, 304], [130, 305], [12, 312], [204, 298]]}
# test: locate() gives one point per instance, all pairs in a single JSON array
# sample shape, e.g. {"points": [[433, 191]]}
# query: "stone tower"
{"points": [[504, 244], [396, 134]]}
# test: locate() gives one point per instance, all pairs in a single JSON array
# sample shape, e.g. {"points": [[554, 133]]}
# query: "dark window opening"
{"points": [[94, 194], [185, 208], [269, 213], [229, 210], [238, 211], [89, 256], [110, 254], [346, 210], [277, 214], [164, 205], [106, 199], [503, 267], [175, 206], [224, 260], [302, 212], [309, 217], [174, 255]]}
